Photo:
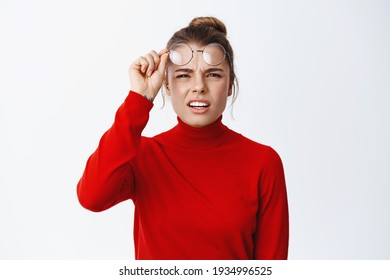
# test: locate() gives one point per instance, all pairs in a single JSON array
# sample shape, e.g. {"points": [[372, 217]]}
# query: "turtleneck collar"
{"points": [[203, 138]]}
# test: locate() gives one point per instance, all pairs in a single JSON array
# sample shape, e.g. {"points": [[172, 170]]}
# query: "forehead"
{"points": [[196, 46], [193, 44]]}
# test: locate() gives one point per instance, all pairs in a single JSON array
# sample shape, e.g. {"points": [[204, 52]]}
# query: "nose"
{"points": [[199, 85]]}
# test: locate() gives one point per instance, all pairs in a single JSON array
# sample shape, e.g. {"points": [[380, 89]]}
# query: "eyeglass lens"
{"points": [[181, 54]]}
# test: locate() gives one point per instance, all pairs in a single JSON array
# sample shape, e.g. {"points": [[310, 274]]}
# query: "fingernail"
{"points": [[150, 73]]}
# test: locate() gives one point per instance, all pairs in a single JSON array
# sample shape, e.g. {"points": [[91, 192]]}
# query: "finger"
{"points": [[156, 58], [151, 64], [140, 64], [163, 62], [164, 53], [160, 53]]}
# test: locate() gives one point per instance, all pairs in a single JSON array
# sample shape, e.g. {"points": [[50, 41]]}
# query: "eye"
{"points": [[181, 76], [214, 75]]}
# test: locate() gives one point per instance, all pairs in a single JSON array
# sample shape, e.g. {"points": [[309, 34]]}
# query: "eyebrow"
{"points": [[188, 70]]}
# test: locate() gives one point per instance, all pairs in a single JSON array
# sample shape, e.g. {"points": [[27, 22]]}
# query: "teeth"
{"points": [[198, 104]]}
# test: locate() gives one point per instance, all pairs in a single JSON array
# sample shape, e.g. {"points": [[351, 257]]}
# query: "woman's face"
{"points": [[198, 91]]}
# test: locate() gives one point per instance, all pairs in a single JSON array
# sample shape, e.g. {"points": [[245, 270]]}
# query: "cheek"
{"points": [[175, 88], [177, 95], [220, 96], [221, 91], [178, 91]]}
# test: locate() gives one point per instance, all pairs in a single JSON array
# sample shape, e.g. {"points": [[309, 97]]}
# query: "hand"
{"points": [[147, 73]]}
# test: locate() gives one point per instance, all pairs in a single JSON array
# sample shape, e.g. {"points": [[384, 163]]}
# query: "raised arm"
{"points": [[108, 176]]}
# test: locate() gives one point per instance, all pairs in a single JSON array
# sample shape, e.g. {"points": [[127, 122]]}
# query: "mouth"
{"points": [[198, 104]]}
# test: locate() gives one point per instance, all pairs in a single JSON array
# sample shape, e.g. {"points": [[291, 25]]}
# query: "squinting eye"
{"points": [[214, 75], [182, 76]]}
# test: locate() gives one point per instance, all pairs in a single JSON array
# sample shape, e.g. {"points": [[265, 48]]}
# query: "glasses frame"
{"points": [[200, 51]]}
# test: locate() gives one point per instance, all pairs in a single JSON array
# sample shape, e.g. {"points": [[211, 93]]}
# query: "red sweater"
{"points": [[199, 193]]}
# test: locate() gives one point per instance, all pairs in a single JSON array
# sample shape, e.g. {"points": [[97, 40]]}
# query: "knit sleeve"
{"points": [[272, 234], [108, 177]]}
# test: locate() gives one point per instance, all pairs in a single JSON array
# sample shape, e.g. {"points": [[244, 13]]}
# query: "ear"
{"points": [[167, 88], [230, 90]]}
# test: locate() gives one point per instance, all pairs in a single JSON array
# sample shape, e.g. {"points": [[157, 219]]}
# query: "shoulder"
{"points": [[256, 150], [155, 142], [247, 143]]}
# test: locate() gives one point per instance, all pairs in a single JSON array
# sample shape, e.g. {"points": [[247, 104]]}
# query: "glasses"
{"points": [[181, 54]]}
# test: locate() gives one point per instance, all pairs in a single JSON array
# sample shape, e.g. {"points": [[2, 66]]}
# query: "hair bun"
{"points": [[211, 22]]}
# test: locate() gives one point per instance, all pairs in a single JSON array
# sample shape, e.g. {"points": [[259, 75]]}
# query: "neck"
{"points": [[200, 137]]}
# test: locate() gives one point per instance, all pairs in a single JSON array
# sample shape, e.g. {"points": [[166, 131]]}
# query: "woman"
{"points": [[200, 190]]}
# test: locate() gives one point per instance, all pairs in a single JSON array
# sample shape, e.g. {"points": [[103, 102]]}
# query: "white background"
{"points": [[314, 84]]}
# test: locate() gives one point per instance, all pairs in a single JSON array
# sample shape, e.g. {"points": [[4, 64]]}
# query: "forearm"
{"points": [[107, 178], [272, 235]]}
